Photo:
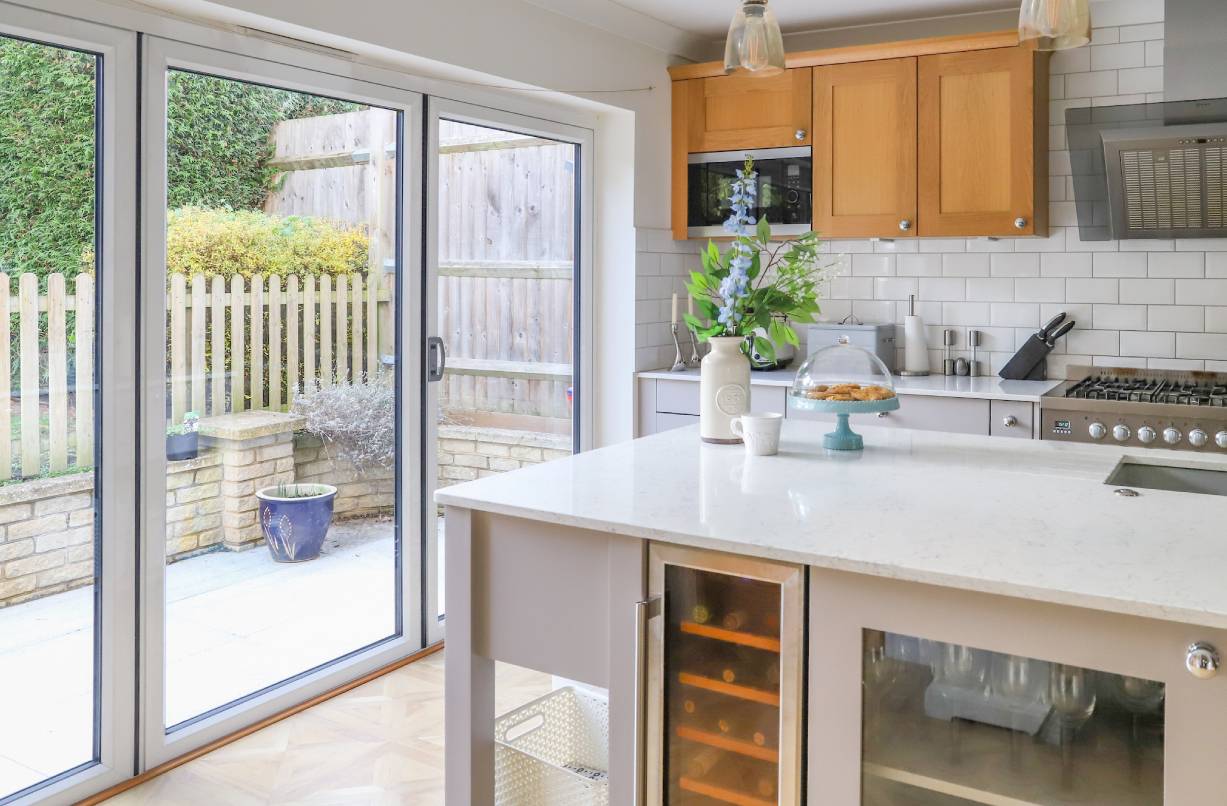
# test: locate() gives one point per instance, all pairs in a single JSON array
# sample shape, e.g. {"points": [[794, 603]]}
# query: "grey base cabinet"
{"points": [[928, 695], [667, 404]]}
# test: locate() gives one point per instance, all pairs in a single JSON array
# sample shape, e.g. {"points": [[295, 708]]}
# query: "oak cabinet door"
{"points": [[865, 149], [928, 695], [726, 113], [983, 121]]}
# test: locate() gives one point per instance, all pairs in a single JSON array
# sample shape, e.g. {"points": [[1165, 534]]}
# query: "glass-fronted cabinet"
{"points": [[725, 680], [926, 696]]}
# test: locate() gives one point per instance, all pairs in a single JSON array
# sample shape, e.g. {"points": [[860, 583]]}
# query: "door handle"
{"points": [[644, 610], [436, 359]]}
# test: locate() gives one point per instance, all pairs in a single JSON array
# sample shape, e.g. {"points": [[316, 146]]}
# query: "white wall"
{"points": [[1158, 304]]}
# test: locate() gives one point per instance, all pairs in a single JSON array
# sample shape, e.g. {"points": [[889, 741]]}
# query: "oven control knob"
{"points": [[1220, 439], [1198, 438], [1146, 434], [1097, 431], [1171, 435], [1121, 432]]}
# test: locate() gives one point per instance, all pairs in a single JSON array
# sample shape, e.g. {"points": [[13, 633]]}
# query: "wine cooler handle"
{"points": [[644, 610]]}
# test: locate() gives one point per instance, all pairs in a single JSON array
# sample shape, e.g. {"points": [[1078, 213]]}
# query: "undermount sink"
{"points": [[1183, 478]]}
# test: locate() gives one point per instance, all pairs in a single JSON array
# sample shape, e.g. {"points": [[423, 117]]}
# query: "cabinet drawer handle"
{"points": [[1009, 421], [644, 610], [1202, 661]]}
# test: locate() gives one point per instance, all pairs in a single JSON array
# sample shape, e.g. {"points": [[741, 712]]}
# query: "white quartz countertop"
{"points": [[1024, 518], [988, 387]]}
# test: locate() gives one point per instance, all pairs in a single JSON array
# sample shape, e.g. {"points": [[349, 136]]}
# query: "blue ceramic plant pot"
{"points": [[295, 518]]}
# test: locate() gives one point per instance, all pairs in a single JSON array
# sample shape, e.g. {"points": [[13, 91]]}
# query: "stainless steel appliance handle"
{"points": [[644, 610], [436, 359], [757, 154]]}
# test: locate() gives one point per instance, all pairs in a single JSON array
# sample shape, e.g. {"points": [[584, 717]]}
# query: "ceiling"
{"points": [[710, 18]]}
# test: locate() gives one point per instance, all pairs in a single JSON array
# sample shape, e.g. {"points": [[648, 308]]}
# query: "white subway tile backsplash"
{"points": [[1147, 292], [1182, 364], [1014, 264], [852, 288], [1119, 264], [1141, 33], [919, 265], [1082, 313], [1216, 263], [873, 265], [1077, 60], [1216, 320], [1201, 292], [942, 245], [943, 289], [1141, 79], [1065, 264], [1119, 317], [1201, 345], [1015, 314], [1093, 342], [894, 287], [895, 246], [1039, 289], [1147, 344], [1055, 242], [1103, 81], [1148, 245], [1126, 12], [1154, 54], [873, 311], [1110, 58], [1187, 318], [995, 289], [992, 245], [965, 314], [1175, 264], [965, 265], [1078, 289]]}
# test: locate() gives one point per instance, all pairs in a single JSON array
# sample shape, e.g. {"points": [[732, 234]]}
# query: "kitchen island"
{"points": [[1014, 549]]}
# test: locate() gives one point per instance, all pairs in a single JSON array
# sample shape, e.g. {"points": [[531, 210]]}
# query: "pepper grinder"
{"points": [[973, 341], [948, 339]]}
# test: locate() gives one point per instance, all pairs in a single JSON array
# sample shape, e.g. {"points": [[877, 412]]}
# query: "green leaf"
{"points": [[764, 230], [764, 348]]}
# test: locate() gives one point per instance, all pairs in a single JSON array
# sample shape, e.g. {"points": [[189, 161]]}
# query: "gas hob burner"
{"points": [[1150, 390]]}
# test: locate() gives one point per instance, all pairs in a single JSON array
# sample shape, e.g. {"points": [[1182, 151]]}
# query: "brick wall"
{"points": [[469, 452], [371, 492]]}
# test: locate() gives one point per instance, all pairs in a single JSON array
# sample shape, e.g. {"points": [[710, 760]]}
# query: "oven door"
{"points": [[785, 189]]}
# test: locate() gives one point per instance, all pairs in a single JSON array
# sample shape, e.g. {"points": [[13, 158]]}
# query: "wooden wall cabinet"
{"points": [[983, 144], [865, 149], [941, 138]]}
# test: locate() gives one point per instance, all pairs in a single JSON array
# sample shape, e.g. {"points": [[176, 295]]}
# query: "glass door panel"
{"points": [[948, 724], [279, 562], [505, 281], [66, 556]]}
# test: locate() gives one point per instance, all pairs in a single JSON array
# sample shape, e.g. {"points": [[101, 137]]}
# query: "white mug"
{"points": [[760, 432]]}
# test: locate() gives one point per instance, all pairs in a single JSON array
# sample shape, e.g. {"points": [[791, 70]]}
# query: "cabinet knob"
{"points": [[1020, 223], [1009, 421], [1202, 661], [905, 224], [800, 134]]}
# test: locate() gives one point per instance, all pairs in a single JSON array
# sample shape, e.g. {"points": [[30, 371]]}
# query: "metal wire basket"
{"points": [[555, 750]]}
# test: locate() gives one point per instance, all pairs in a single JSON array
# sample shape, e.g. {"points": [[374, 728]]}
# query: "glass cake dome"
{"points": [[843, 373]]}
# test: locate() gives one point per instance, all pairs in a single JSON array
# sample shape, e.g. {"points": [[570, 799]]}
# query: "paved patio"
{"points": [[236, 622]]}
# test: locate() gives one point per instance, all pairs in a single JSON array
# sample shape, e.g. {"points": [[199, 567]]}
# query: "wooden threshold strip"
{"points": [[192, 755], [731, 636], [721, 794], [730, 745], [730, 689]]}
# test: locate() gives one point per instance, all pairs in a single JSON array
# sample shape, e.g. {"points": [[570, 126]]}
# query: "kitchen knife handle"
{"points": [[1061, 331], [1046, 329]]}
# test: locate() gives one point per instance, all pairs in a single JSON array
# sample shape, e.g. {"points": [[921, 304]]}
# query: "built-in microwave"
{"points": [[785, 189]]}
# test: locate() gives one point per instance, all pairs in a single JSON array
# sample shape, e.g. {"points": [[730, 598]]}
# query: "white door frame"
{"points": [[115, 485], [583, 369], [344, 81]]}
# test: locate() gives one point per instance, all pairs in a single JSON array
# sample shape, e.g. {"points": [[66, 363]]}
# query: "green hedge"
{"points": [[244, 242], [217, 149]]}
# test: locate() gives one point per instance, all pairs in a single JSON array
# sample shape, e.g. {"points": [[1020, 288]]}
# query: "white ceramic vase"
{"points": [[724, 389]]}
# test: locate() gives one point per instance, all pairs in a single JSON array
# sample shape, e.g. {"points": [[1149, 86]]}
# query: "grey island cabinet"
{"points": [[940, 620]]}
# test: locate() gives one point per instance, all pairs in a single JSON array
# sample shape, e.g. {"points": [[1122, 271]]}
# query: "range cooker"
{"points": [[1142, 408]]}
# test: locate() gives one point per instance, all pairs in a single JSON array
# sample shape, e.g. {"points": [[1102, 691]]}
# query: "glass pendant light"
{"points": [[1055, 24], [754, 46]]}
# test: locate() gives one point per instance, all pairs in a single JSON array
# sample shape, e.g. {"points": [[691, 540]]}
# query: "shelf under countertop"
{"points": [[1029, 519]]}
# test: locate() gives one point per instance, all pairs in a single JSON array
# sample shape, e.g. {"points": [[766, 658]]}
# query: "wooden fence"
{"points": [[67, 432], [256, 343]]}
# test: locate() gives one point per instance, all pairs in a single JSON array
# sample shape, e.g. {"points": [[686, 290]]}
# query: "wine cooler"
{"points": [[724, 680]]}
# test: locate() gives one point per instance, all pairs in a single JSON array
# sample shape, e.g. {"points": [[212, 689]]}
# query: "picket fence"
{"points": [[232, 345]]}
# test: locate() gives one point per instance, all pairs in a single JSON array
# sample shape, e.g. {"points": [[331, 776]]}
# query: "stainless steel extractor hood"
{"points": [[1157, 170]]}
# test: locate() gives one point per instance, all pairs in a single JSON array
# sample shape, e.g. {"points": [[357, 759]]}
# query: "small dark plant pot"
{"points": [[182, 446], [294, 528]]}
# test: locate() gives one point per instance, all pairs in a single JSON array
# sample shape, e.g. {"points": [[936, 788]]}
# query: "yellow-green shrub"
{"points": [[223, 243]]}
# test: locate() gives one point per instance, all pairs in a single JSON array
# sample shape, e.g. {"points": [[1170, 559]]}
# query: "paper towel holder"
{"points": [[915, 348]]}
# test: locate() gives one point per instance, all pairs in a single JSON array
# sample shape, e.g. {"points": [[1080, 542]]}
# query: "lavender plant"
{"points": [[757, 284], [356, 422]]}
